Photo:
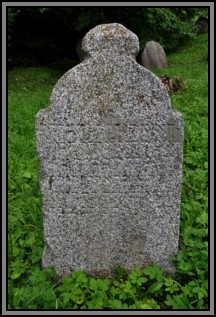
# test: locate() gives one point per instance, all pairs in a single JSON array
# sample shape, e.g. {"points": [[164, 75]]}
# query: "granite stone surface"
{"points": [[110, 150]]}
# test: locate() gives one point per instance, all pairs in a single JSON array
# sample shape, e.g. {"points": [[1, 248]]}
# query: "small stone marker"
{"points": [[154, 56], [201, 25], [110, 151], [79, 50]]}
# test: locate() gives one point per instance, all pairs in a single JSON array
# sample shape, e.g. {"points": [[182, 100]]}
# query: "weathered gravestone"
{"points": [[110, 151], [201, 25], [79, 50], [154, 56]]}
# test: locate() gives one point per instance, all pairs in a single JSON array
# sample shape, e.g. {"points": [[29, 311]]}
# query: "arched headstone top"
{"points": [[154, 56], [113, 37]]}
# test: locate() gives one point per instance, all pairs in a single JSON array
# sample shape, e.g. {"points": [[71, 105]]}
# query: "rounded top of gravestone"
{"points": [[112, 37], [153, 43]]}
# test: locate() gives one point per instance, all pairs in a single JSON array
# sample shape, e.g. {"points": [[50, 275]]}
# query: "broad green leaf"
{"points": [[66, 297], [206, 165], [103, 284], [155, 287], [93, 284], [15, 275], [115, 304], [203, 218], [27, 175]]}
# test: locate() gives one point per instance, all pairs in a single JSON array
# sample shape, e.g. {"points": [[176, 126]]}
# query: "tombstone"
{"points": [[79, 50], [201, 25], [110, 151], [153, 56]]}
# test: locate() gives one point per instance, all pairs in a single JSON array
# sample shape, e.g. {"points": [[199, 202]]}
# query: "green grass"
{"points": [[29, 286]]}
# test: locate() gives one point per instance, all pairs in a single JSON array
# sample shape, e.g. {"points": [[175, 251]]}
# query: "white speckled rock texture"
{"points": [[110, 150], [154, 56]]}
